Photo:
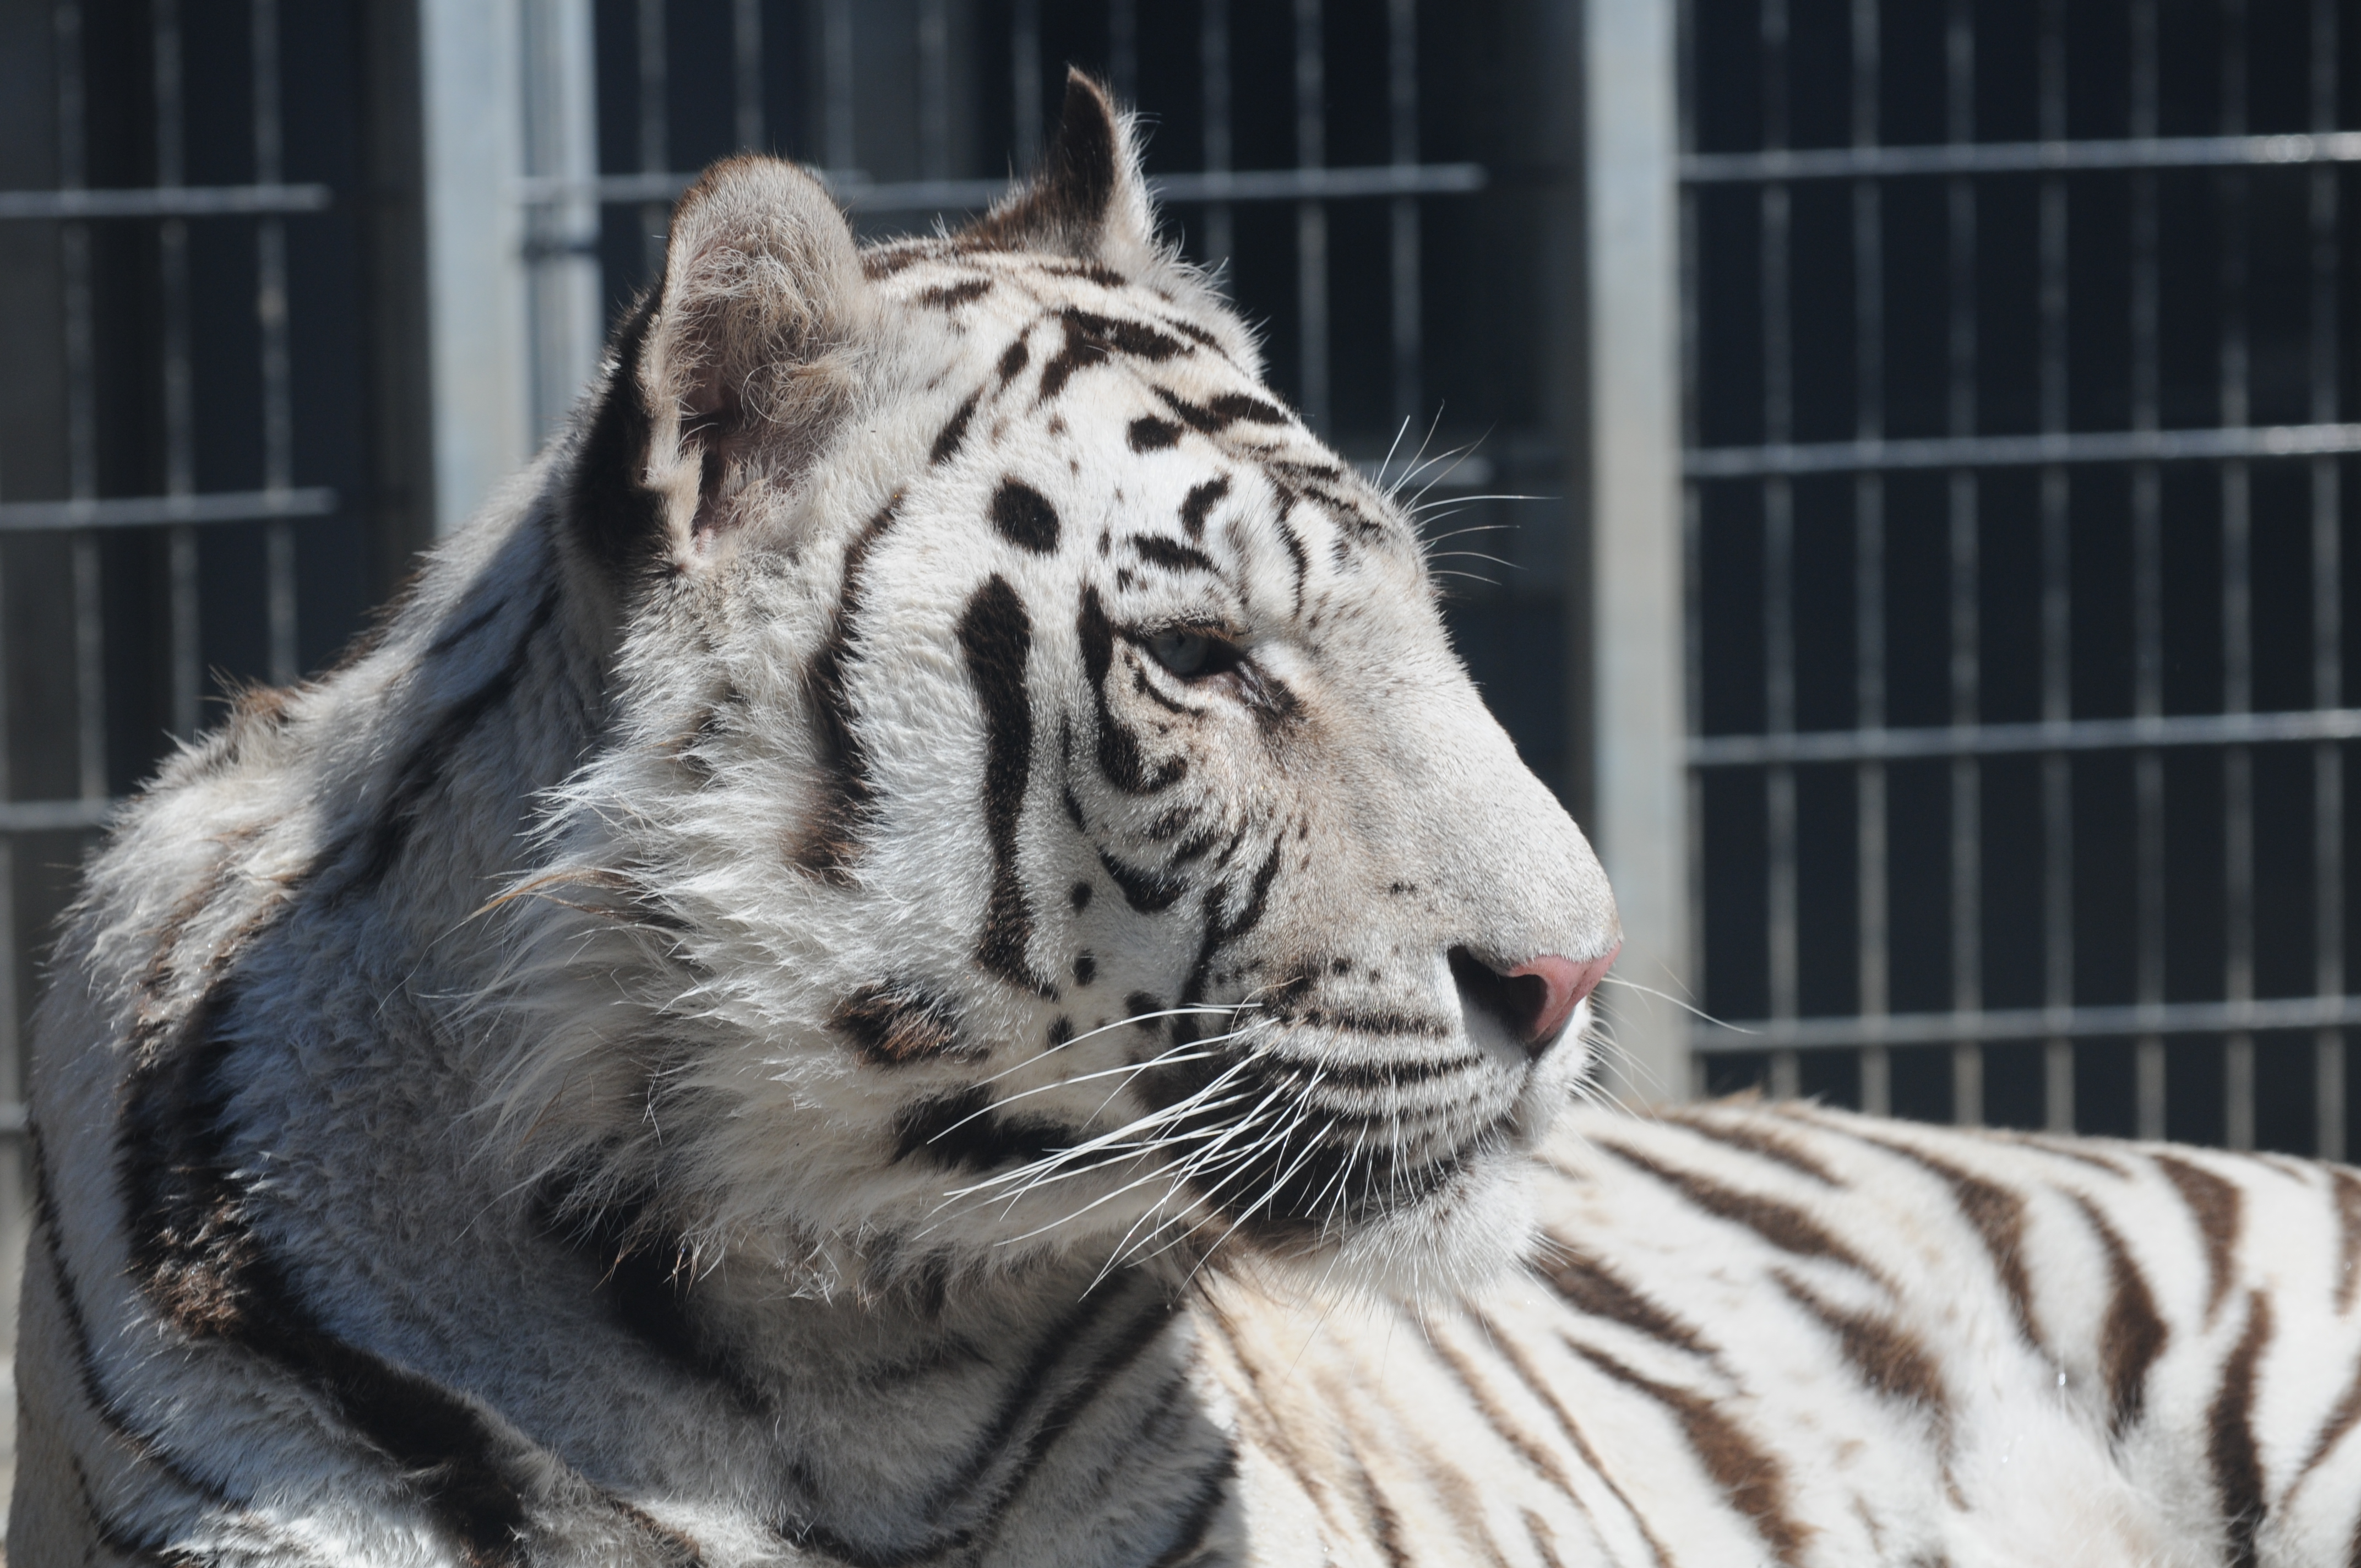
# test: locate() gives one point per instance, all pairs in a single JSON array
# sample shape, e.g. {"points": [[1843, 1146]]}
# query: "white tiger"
{"points": [[917, 952]]}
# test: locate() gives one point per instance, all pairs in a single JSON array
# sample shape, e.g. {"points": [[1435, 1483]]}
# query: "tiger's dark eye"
{"points": [[1185, 653]]}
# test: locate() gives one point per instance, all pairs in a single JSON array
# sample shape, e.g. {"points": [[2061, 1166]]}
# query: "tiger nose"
{"points": [[1538, 997]]}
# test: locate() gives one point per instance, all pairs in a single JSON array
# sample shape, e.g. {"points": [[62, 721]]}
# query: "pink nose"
{"points": [[1565, 982]]}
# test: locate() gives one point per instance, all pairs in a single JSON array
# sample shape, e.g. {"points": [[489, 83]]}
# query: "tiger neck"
{"points": [[939, 1421]]}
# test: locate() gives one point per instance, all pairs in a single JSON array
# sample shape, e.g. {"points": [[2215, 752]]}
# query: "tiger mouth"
{"points": [[1286, 1149]]}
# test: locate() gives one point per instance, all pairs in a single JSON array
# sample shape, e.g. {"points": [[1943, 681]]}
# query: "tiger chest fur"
{"points": [[916, 951]]}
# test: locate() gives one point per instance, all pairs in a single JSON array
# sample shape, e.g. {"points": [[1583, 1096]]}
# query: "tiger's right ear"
{"points": [[729, 379]]}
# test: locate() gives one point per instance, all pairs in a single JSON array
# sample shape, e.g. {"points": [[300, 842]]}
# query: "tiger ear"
{"points": [[1087, 200], [729, 378]]}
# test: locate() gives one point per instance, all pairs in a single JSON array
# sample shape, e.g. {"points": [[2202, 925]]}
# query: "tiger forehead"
{"points": [[1026, 326]]}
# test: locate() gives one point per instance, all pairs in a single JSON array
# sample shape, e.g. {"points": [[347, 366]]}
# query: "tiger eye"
{"points": [[1185, 653]]}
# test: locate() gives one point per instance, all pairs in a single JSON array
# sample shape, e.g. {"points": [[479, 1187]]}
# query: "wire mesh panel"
{"points": [[195, 491], [2020, 382]]}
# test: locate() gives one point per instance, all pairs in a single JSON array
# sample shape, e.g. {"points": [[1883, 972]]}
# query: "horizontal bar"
{"points": [[859, 194], [54, 815], [2000, 740], [2019, 157], [2022, 451], [144, 512], [13, 1119], [1718, 1038], [1444, 475], [166, 202]]}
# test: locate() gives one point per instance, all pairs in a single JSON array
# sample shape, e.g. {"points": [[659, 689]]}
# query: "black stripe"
{"points": [[2132, 1335], [1784, 1225], [2230, 1447], [1544, 1388], [950, 296], [1752, 1138], [961, 1132], [1170, 552], [997, 639], [1220, 933], [207, 1272], [1059, 1341], [1998, 1216], [1200, 500], [641, 1276], [1091, 339], [1885, 1356], [1149, 434], [1219, 414], [1147, 892], [1204, 1507], [1025, 517], [1590, 1286], [831, 835], [1749, 1476], [1119, 749], [947, 444], [618, 519], [2219, 1210], [1105, 1368], [897, 1023], [100, 1399], [369, 853], [1012, 359]]}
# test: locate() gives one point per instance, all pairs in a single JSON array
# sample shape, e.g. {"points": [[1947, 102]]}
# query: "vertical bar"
{"points": [[2237, 684], [656, 125], [82, 411], [837, 87], [2057, 607], [746, 68], [1401, 80], [1123, 49], [934, 90], [180, 389], [472, 80], [2147, 590], [1869, 563], [1213, 72], [270, 317], [1778, 544], [2327, 608], [564, 294], [1024, 80], [1636, 270], [1967, 781], [1312, 217]]}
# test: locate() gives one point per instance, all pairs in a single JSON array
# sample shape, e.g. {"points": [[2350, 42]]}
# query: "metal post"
{"points": [[480, 365], [561, 142], [1631, 162]]}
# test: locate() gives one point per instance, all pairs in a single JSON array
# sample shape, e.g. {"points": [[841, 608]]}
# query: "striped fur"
{"points": [[896, 961]]}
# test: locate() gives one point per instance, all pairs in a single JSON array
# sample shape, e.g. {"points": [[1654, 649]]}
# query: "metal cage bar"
{"points": [[2067, 467]]}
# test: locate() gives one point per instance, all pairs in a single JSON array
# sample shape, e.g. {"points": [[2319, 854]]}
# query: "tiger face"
{"points": [[1046, 815]]}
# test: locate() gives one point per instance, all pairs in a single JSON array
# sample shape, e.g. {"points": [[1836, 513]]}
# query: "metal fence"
{"points": [[2017, 353], [200, 465]]}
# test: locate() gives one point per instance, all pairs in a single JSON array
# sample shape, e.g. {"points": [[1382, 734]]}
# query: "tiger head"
{"points": [[1042, 812]]}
